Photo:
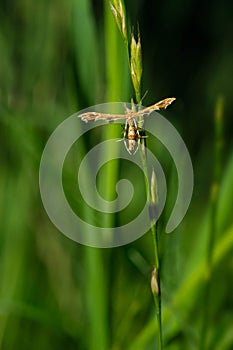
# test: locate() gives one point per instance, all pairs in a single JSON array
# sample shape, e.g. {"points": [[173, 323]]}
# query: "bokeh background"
{"points": [[57, 57]]}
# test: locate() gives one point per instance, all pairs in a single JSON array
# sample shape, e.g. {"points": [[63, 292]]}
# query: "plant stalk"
{"points": [[134, 56], [218, 151]]}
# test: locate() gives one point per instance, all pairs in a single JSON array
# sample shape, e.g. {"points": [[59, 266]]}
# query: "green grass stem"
{"points": [[217, 166], [134, 54]]}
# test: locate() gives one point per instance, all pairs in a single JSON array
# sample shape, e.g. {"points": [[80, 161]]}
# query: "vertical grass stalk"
{"points": [[134, 54], [214, 192], [155, 278]]}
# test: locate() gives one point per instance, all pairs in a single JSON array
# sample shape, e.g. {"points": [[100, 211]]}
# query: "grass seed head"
{"points": [[119, 14]]}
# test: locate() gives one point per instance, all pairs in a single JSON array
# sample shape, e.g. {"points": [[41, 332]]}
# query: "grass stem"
{"points": [[157, 291], [134, 55], [218, 123]]}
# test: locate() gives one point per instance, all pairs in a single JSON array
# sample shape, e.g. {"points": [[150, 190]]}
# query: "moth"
{"points": [[131, 129]]}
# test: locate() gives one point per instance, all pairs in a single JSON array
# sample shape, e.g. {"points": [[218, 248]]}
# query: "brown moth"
{"points": [[131, 130]]}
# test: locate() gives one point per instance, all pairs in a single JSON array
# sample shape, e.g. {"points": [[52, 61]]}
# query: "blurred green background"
{"points": [[57, 57]]}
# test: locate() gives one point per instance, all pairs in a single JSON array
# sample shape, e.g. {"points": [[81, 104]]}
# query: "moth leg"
{"points": [[137, 130], [125, 129], [137, 146], [126, 146]]}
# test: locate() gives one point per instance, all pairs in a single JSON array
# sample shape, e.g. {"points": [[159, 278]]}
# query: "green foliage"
{"points": [[59, 57]]}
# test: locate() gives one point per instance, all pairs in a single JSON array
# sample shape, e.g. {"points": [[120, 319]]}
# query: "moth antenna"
{"points": [[146, 92]]}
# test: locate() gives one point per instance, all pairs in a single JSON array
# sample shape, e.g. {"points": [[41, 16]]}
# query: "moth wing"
{"points": [[163, 104], [94, 116]]}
